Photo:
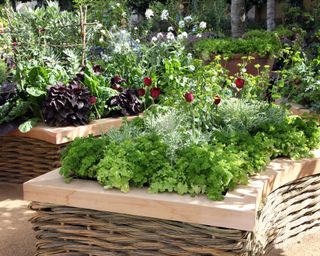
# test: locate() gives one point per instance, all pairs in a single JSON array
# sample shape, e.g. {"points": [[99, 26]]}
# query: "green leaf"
{"points": [[36, 92], [28, 125]]}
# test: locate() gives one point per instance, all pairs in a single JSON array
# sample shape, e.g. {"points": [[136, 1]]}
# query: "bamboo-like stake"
{"points": [[83, 26]]}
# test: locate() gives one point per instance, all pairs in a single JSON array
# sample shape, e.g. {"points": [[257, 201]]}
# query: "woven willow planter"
{"points": [[28, 155], [81, 218]]}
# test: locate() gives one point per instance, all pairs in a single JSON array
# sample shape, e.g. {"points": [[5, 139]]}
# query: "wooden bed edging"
{"points": [[237, 211], [60, 135]]}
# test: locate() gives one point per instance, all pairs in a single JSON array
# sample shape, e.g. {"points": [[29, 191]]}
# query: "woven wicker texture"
{"points": [[289, 211], [74, 231], [22, 159]]}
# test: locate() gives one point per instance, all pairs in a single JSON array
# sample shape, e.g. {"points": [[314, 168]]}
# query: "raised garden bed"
{"points": [[84, 219], [28, 155], [232, 64]]}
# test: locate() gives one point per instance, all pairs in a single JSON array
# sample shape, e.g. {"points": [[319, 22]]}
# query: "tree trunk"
{"points": [[237, 17], [271, 13]]}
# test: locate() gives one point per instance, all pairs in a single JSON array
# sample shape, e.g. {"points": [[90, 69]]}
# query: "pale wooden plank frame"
{"points": [[237, 211], [60, 135]]}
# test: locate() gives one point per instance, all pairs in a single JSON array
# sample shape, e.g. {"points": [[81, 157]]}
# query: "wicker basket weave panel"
{"points": [[69, 231], [22, 159], [289, 211]]}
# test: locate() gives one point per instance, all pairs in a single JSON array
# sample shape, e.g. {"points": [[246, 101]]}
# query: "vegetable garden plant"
{"points": [[202, 131]]}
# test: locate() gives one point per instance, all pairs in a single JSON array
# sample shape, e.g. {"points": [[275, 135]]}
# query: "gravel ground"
{"points": [[18, 239]]}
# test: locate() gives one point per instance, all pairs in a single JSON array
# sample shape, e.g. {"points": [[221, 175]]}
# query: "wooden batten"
{"points": [[237, 211], [60, 135]]}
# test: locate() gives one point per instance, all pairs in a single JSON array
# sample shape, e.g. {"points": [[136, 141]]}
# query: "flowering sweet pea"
{"points": [[181, 24], [183, 35], [147, 81], [170, 36], [240, 83], [203, 25], [187, 18], [164, 15], [160, 35], [189, 96], [155, 92], [170, 29], [149, 13]]}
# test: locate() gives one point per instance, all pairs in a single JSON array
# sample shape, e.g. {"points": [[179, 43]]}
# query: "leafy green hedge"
{"points": [[256, 41]]}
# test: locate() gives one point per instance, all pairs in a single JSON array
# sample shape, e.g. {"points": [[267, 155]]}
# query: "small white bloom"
{"points": [[195, 28], [135, 28], [101, 40], [149, 13], [154, 39], [123, 14], [118, 4], [170, 36], [181, 24], [184, 34], [117, 48], [99, 26], [199, 35], [170, 29], [187, 18], [138, 40], [192, 68], [164, 15], [103, 32], [203, 25], [189, 55], [159, 35]]}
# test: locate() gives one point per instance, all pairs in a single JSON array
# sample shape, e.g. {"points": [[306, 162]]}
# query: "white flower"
{"points": [[138, 40], [149, 13], [101, 40], [170, 36], [135, 28], [203, 25], [189, 55], [164, 15], [187, 18], [103, 32], [117, 48], [99, 26], [159, 35], [170, 29], [183, 35], [195, 28], [154, 39], [192, 68], [124, 14], [181, 24], [199, 35], [118, 4]]}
